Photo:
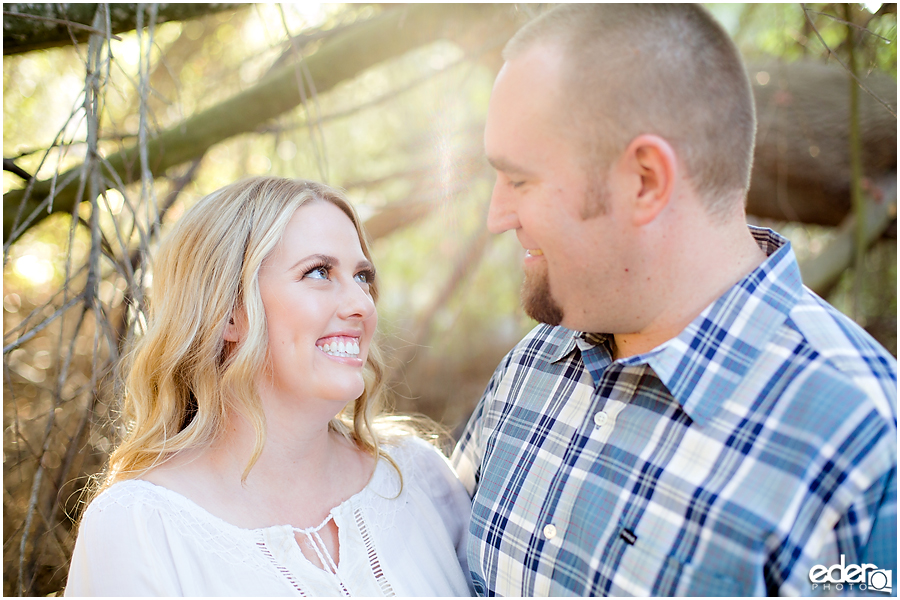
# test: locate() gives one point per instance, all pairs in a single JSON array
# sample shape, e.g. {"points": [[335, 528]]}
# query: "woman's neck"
{"points": [[300, 475]]}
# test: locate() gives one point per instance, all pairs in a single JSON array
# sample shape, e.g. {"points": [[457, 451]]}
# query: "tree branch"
{"points": [[65, 22], [61, 24], [390, 34]]}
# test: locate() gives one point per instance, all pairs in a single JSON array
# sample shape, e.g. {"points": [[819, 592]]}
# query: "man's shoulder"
{"points": [[833, 333], [838, 348]]}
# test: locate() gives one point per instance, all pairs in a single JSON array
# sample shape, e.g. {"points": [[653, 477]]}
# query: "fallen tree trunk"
{"points": [[822, 271], [801, 167]]}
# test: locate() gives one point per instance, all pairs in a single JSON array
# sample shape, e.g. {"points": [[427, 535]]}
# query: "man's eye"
{"points": [[516, 184], [317, 273]]}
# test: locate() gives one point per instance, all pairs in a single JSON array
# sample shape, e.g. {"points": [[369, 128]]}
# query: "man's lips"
{"points": [[533, 256]]}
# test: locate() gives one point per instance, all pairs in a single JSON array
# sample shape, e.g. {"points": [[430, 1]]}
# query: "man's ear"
{"points": [[652, 161], [236, 326]]}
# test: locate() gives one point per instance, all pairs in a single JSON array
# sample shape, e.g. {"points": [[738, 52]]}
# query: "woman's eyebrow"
{"points": [[323, 258]]}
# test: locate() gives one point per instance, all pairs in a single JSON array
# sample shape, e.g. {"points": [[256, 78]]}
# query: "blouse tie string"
{"points": [[321, 550]]}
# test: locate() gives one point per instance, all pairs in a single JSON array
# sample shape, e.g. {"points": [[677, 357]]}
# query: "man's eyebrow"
{"points": [[504, 166]]}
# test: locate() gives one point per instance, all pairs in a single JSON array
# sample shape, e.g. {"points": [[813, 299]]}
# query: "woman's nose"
{"points": [[356, 302]]}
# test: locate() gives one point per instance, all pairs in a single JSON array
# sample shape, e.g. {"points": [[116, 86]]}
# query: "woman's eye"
{"points": [[317, 273], [363, 277]]}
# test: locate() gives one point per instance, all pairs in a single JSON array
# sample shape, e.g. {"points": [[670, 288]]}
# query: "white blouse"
{"points": [[140, 539]]}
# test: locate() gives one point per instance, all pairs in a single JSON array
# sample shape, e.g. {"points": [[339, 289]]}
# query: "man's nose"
{"points": [[501, 213]]}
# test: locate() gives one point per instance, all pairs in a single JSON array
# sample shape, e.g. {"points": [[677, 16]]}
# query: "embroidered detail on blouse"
{"points": [[383, 583], [281, 569], [193, 523]]}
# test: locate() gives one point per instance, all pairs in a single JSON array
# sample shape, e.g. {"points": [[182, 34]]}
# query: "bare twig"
{"points": [[10, 165], [147, 195], [301, 73], [849, 24], [848, 69], [42, 325]]}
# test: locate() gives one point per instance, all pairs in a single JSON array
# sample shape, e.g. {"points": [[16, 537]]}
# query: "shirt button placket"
{"points": [[600, 419], [550, 531]]}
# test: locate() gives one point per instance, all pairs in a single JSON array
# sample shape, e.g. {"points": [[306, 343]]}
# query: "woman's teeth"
{"points": [[350, 349]]}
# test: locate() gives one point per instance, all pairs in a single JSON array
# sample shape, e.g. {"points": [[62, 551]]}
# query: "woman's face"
{"points": [[319, 309]]}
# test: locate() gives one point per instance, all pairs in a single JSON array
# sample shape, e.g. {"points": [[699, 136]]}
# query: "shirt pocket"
{"points": [[645, 572]]}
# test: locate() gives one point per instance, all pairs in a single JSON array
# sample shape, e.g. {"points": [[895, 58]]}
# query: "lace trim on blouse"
{"points": [[373, 557], [281, 568]]}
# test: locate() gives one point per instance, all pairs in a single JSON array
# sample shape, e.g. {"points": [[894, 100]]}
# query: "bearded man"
{"points": [[688, 419]]}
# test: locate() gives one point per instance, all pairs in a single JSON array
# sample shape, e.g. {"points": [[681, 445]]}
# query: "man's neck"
{"points": [[694, 276]]}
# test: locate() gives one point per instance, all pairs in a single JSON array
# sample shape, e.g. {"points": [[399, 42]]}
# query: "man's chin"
{"points": [[537, 300]]}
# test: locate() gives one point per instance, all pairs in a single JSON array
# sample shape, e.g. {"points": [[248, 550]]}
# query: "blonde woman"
{"points": [[255, 462]]}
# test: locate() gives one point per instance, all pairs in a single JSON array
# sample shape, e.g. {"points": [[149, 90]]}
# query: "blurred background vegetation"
{"points": [[116, 118]]}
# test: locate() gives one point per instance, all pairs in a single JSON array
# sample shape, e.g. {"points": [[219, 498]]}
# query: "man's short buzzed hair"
{"points": [[665, 69]]}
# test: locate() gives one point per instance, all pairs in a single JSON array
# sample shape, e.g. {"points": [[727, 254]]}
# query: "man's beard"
{"points": [[537, 300]]}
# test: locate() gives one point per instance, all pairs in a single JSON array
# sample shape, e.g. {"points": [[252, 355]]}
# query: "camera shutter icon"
{"points": [[880, 581]]}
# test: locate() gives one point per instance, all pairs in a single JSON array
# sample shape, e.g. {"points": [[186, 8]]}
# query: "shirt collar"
{"points": [[706, 362], [566, 343], [703, 365], [569, 340]]}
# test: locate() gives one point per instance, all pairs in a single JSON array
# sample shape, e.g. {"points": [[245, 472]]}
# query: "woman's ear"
{"points": [[653, 161], [237, 325]]}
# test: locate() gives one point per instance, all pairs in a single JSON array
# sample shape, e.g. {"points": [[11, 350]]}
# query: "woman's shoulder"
{"points": [[123, 496], [422, 465], [137, 536], [127, 508], [141, 504], [413, 451]]}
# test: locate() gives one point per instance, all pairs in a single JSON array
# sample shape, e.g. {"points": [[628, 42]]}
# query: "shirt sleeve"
{"points": [[881, 549], [121, 551], [448, 499], [865, 533], [449, 496]]}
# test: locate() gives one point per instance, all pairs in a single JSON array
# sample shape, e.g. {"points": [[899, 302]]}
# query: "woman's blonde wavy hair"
{"points": [[182, 378]]}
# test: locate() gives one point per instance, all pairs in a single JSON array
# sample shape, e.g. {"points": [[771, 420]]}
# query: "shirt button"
{"points": [[600, 419], [549, 531]]}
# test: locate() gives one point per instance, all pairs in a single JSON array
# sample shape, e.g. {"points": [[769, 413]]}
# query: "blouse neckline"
{"points": [[184, 501]]}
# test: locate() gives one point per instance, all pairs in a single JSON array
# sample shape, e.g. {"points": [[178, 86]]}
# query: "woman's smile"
{"points": [[341, 347]]}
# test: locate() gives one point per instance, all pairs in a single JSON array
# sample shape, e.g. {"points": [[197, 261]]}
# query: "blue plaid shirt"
{"points": [[729, 460]]}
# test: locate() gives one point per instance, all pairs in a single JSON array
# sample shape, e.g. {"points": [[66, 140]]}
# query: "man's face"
{"points": [[564, 215]]}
